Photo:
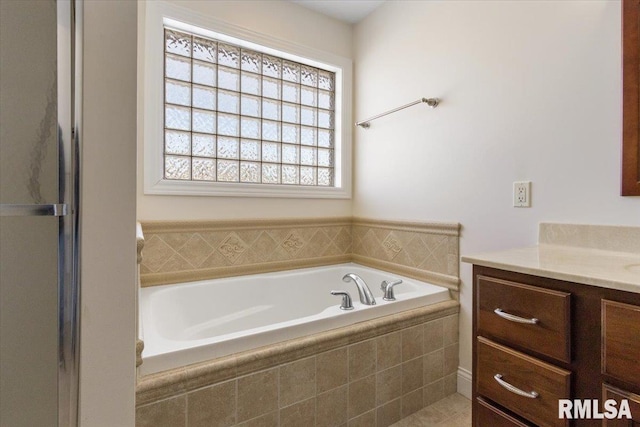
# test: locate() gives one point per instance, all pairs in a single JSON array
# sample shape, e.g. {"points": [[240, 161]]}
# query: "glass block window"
{"points": [[236, 115]]}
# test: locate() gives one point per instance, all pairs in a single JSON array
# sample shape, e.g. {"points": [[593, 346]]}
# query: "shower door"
{"points": [[38, 286]]}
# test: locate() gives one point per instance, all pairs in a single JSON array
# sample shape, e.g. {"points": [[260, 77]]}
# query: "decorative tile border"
{"points": [[424, 251], [184, 251], [177, 252]]}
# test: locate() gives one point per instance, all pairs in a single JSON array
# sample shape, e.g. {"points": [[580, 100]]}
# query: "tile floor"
{"points": [[452, 411]]}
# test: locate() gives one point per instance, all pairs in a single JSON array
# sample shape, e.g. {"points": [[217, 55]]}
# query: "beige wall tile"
{"points": [[218, 244], [412, 402], [216, 259], [297, 381], [264, 245], [368, 419], [433, 335], [332, 250], [331, 407], [175, 263], [362, 396], [343, 240], [451, 359], [450, 330], [155, 253], [388, 385], [434, 366], [166, 413], [389, 350], [389, 413], [257, 394], [248, 236], [412, 375], [433, 392], [267, 420], [412, 343], [213, 238], [176, 240], [362, 359], [288, 386], [450, 384], [332, 369], [195, 250], [301, 414], [232, 247], [212, 406]]}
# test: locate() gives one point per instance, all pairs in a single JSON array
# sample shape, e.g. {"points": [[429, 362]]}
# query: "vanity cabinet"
{"points": [[621, 341], [609, 392], [538, 340]]}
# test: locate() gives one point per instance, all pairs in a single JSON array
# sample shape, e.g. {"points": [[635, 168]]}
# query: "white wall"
{"points": [[278, 19], [108, 215], [531, 91]]}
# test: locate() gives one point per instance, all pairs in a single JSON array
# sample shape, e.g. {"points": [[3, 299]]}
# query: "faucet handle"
{"points": [[387, 288], [346, 300]]}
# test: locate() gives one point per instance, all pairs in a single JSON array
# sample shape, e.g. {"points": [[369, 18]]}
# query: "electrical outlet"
{"points": [[522, 194]]}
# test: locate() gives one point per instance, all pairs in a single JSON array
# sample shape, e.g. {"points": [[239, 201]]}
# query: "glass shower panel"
{"points": [[28, 244]]}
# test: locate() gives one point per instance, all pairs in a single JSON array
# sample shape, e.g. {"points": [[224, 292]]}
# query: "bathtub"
{"points": [[197, 321]]}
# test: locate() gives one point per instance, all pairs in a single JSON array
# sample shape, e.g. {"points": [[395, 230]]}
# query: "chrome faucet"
{"points": [[387, 288], [346, 300], [366, 297]]}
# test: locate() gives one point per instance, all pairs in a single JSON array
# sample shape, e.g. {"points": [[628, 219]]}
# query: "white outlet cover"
{"points": [[522, 194]]}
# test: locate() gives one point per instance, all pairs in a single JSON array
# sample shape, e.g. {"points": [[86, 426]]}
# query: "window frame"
{"points": [[157, 15]]}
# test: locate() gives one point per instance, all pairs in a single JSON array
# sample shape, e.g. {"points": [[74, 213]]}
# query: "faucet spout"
{"points": [[366, 297]]}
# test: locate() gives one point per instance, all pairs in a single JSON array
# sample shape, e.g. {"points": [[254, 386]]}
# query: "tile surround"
{"points": [[322, 385], [372, 373], [425, 251], [184, 251]]}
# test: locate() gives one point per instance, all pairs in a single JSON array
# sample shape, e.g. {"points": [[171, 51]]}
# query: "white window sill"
{"points": [[234, 189]]}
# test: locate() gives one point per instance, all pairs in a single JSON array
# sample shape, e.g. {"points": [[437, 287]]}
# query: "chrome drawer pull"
{"points": [[517, 319], [516, 390]]}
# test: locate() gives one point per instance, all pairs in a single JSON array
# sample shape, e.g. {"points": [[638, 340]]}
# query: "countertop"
{"points": [[596, 267]]}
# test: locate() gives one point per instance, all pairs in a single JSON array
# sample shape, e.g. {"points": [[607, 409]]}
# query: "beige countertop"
{"points": [[607, 269]]}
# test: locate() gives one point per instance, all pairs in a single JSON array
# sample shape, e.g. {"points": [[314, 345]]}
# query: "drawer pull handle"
{"points": [[516, 390], [517, 319]]}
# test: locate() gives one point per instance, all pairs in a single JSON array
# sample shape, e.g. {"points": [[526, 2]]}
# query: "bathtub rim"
{"points": [[166, 352], [160, 385]]}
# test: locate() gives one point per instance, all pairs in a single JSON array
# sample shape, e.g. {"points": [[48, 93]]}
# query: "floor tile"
{"points": [[452, 411]]}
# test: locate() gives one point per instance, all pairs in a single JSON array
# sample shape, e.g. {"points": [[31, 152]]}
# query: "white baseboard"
{"points": [[464, 382]]}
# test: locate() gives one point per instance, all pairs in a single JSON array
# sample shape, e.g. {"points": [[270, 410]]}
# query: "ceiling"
{"points": [[350, 11]]}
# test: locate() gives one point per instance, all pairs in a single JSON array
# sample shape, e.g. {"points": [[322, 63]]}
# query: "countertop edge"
{"points": [[554, 274]]}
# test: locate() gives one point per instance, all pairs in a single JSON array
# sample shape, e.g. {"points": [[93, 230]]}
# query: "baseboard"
{"points": [[464, 382]]}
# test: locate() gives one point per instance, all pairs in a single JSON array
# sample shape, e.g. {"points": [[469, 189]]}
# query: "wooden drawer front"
{"points": [[621, 341], [527, 374], [489, 416], [609, 392], [551, 334]]}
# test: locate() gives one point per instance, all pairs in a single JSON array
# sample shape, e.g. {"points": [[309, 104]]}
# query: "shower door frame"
{"points": [[69, 68]]}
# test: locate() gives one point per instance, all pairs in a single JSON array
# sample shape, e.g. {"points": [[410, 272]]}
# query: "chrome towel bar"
{"points": [[431, 102]]}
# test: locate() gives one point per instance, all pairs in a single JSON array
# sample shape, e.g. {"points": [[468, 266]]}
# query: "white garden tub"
{"points": [[197, 321]]}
